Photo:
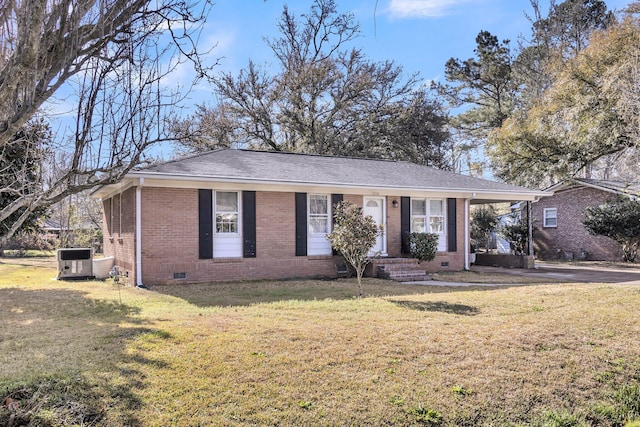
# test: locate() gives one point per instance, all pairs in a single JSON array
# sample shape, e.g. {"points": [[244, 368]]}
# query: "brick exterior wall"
{"points": [[570, 238], [170, 239], [394, 234], [120, 231]]}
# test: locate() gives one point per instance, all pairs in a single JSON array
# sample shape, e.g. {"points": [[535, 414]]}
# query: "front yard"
{"points": [[308, 353]]}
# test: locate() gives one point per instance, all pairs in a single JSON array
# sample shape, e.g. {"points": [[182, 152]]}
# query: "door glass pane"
{"points": [[372, 204]]}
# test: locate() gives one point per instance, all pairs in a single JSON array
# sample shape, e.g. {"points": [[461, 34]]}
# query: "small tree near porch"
{"points": [[353, 236]]}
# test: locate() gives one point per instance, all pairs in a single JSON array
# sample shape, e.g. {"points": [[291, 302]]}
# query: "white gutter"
{"points": [[139, 234], [467, 204]]}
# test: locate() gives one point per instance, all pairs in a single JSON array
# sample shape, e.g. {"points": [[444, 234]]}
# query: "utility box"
{"points": [[75, 263]]}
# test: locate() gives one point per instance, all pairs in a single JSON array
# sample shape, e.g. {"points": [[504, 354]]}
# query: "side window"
{"points": [[550, 217], [318, 214], [226, 212]]}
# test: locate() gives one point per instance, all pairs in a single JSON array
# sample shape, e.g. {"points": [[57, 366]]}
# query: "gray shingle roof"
{"points": [[616, 186], [246, 165]]}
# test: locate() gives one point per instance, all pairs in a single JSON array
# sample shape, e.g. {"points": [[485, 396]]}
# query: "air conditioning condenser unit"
{"points": [[75, 263]]}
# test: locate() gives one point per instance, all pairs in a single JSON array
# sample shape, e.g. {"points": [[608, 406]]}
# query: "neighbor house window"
{"points": [[550, 217], [226, 212], [318, 214]]}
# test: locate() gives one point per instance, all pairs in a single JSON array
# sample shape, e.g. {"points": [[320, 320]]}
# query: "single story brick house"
{"points": [[559, 233], [242, 215]]}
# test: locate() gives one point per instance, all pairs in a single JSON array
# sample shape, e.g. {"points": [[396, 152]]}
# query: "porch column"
{"points": [[529, 231]]}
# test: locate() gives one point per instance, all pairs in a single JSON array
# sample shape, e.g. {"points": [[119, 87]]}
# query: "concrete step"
{"points": [[401, 270]]}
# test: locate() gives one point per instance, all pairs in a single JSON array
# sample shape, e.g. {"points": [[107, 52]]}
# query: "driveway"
{"points": [[586, 273]]}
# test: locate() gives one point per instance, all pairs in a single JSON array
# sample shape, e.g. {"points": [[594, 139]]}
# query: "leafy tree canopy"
{"points": [[589, 112], [542, 108]]}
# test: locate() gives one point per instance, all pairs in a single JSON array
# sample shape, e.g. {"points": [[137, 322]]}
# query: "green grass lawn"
{"points": [[307, 353]]}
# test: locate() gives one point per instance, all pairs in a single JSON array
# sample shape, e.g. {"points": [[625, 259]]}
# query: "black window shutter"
{"points": [[452, 244], [301, 224], [205, 223], [249, 223], [405, 222]]}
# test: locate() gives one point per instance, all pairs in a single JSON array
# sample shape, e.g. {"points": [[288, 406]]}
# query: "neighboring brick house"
{"points": [[558, 230], [241, 215]]}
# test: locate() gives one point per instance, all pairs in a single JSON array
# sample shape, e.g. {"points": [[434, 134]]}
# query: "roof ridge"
{"points": [[328, 156], [182, 158]]}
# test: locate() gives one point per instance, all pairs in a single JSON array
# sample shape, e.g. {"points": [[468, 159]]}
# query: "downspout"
{"points": [[139, 234], [467, 205]]}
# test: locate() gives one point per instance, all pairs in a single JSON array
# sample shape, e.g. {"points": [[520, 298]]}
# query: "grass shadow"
{"points": [[60, 354], [231, 294], [439, 306]]}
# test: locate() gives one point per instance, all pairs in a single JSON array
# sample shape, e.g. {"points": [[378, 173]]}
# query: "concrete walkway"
{"points": [[564, 272]]}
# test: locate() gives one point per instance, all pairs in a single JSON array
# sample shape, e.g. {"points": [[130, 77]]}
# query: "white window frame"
{"points": [[548, 214], [442, 241]]}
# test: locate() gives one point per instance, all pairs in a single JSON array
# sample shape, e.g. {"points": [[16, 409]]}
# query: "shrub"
{"points": [[619, 220], [483, 222], [516, 234], [423, 246]]}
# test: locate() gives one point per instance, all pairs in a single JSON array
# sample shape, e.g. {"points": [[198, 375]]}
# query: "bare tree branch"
{"points": [[114, 58]]}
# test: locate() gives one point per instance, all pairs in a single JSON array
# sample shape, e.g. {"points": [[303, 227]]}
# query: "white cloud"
{"points": [[421, 8]]}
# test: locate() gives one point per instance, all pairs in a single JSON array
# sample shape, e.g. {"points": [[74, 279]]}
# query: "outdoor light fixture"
{"points": [[394, 203]]}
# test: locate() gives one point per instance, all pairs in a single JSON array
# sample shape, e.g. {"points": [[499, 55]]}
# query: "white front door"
{"points": [[374, 207]]}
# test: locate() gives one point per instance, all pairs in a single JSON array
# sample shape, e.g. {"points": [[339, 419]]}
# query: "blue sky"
{"points": [[419, 35]]}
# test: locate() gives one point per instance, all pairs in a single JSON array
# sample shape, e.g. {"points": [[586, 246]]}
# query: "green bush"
{"points": [[423, 246]]}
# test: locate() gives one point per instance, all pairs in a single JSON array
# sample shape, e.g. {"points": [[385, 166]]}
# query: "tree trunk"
{"points": [[359, 272]]}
